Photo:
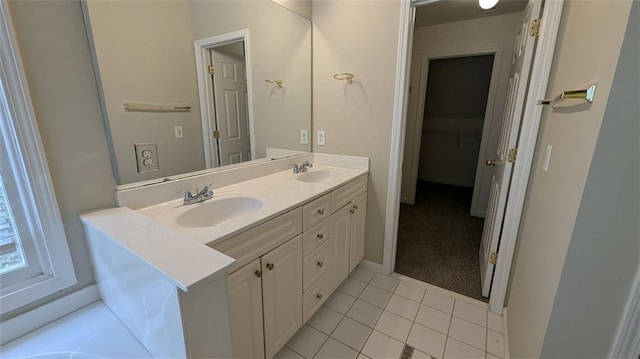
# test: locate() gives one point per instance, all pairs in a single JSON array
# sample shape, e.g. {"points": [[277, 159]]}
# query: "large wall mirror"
{"points": [[188, 85]]}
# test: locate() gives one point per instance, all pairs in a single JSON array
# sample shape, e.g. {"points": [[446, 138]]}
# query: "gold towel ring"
{"points": [[343, 76]]}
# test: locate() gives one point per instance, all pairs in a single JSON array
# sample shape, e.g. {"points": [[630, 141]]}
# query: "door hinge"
{"points": [[534, 30], [216, 134], [513, 152], [493, 258], [211, 69]]}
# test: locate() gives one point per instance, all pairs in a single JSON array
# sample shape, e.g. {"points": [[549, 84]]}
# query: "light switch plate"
{"points": [[146, 157], [304, 137], [547, 158], [178, 131], [320, 139]]}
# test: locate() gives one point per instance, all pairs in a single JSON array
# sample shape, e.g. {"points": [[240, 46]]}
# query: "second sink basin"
{"points": [[218, 211], [318, 176]]}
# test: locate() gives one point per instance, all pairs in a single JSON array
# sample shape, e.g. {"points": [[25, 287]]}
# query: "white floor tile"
{"points": [[459, 350], [362, 274], [470, 312], [439, 301], [385, 282], [410, 290], [420, 355], [353, 287], [394, 326], [325, 320], [307, 341], [495, 344], [382, 346], [333, 349], [469, 333], [375, 296], [427, 340], [364, 313], [403, 307], [351, 333], [434, 319], [494, 322], [286, 353], [340, 302]]}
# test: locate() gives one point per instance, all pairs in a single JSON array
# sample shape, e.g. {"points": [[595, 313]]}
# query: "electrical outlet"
{"points": [[320, 139], [178, 131], [146, 157], [304, 137]]}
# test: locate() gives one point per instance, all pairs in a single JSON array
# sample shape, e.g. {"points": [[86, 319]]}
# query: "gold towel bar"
{"points": [[586, 95]]}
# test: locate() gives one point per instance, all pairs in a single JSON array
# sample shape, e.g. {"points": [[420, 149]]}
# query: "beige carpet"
{"points": [[438, 241]]}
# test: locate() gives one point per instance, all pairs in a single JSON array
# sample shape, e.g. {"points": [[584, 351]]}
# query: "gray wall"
{"points": [[55, 54], [603, 255]]}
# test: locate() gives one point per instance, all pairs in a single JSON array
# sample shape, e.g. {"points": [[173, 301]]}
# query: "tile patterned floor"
{"points": [[372, 315]]}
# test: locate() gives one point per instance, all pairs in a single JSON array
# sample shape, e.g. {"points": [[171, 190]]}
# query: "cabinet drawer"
{"points": [[317, 264], [348, 192], [316, 236], [315, 296], [316, 211], [258, 240]]}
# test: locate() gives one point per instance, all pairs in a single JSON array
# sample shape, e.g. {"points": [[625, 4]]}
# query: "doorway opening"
{"points": [[440, 227]]}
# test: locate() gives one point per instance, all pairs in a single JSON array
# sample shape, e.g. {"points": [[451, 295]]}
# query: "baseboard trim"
{"points": [[367, 264], [505, 335], [25, 323]]}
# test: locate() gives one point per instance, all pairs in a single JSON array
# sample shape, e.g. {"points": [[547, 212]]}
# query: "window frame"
{"points": [[34, 178]]}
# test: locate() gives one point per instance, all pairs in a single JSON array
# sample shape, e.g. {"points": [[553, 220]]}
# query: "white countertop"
{"points": [[279, 193]]}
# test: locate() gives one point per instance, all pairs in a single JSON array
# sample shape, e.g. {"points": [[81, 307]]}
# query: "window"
{"points": [[34, 255]]}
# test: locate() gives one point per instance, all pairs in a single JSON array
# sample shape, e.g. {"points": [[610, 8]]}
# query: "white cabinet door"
{"points": [[282, 294], [342, 240], [245, 306], [358, 214]]}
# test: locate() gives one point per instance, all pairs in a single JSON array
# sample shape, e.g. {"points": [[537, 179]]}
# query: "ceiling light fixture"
{"points": [[487, 4]]}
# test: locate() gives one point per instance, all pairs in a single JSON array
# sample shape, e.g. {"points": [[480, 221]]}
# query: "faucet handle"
{"points": [[308, 164], [187, 194]]}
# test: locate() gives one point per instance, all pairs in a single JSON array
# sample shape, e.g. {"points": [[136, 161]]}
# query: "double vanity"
{"points": [[237, 274]]}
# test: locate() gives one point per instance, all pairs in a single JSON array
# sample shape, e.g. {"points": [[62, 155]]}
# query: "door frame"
{"points": [[486, 126], [205, 89], [532, 113]]}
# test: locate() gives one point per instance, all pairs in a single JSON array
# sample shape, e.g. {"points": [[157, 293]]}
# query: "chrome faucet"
{"points": [[302, 167], [200, 196]]}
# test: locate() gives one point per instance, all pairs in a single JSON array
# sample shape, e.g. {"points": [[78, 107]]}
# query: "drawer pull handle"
{"points": [[352, 211], [320, 264], [321, 211], [355, 206], [258, 273], [319, 296], [320, 236], [270, 266]]}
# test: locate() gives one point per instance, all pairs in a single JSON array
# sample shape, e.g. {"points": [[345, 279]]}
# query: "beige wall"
{"points": [[459, 38], [300, 7], [55, 55], [280, 49], [361, 38], [590, 34]]}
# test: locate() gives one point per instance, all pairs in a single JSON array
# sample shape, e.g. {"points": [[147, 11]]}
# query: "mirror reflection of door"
{"points": [[231, 122]]}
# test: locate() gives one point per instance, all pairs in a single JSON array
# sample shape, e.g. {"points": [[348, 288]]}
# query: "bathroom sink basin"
{"points": [[218, 211], [318, 176]]}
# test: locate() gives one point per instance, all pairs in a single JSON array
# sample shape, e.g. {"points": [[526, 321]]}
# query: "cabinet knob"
{"points": [[355, 206], [270, 266], [258, 273], [320, 236], [319, 296], [320, 264], [352, 211], [321, 211]]}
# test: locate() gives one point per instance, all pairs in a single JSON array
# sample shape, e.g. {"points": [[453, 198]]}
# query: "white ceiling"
{"points": [[444, 11]]}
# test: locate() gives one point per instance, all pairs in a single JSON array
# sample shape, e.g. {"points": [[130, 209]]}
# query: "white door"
{"points": [[231, 107], [282, 294], [518, 80], [245, 307]]}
